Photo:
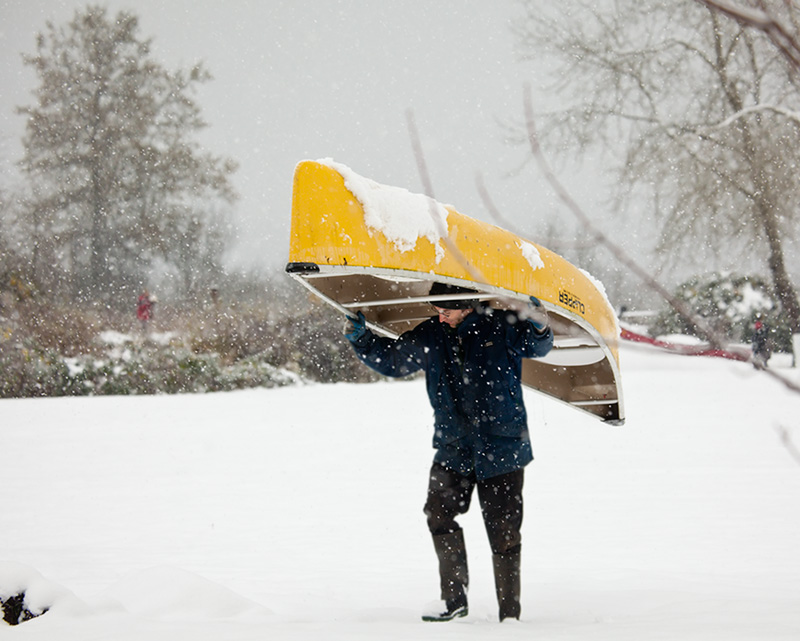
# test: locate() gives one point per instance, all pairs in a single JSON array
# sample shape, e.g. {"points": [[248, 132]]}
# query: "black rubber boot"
{"points": [[507, 583], [453, 576]]}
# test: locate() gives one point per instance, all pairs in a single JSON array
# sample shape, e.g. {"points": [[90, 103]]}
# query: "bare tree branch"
{"points": [[419, 156], [679, 306], [522, 309], [789, 114], [427, 185], [493, 210], [778, 34], [788, 443]]}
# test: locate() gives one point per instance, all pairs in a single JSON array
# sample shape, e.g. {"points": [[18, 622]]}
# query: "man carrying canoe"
{"points": [[472, 359]]}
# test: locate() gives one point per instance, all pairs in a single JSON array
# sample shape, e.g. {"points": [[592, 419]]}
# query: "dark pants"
{"points": [[449, 494]]}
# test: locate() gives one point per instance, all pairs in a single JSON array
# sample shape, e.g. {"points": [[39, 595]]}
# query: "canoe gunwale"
{"points": [[575, 336]]}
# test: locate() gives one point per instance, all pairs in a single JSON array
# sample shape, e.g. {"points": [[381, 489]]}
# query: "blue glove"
{"points": [[355, 327], [538, 315]]}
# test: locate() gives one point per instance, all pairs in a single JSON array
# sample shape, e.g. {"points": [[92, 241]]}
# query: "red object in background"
{"points": [[688, 350], [144, 309]]}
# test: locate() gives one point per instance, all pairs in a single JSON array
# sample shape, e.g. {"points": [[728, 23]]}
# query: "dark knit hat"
{"points": [[440, 289]]}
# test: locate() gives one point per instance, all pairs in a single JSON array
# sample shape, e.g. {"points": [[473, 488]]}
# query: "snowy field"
{"points": [[296, 513]]}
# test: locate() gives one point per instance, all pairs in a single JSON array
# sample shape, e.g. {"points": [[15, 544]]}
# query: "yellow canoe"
{"points": [[362, 246]]}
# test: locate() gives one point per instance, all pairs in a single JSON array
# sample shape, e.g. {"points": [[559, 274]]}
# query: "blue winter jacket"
{"points": [[472, 374]]}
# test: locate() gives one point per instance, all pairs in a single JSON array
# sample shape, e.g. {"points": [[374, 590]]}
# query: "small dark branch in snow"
{"points": [[714, 338], [789, 444]]}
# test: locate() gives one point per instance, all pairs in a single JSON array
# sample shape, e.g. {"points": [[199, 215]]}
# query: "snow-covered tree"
{"points": [[116, 176], [705, 111]]}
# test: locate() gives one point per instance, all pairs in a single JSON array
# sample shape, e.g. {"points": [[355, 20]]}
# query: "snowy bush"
{"points": [[47, 351], [730, 304], [146, 369], [313, 344]]}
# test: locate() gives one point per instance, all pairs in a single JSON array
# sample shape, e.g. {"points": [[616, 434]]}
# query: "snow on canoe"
{"points": [[363, 246]]}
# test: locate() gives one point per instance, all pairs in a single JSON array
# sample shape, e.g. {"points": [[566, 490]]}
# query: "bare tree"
{"points": [[624, 258], [706, 114]]}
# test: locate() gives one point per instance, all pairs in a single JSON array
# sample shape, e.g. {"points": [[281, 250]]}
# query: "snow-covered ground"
{"points": [[296, 513]]}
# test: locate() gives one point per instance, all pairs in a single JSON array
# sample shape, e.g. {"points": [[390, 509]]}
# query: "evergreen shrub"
{"points": [[730, 304]]}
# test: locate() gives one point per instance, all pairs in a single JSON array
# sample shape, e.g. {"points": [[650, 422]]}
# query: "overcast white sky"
{"points": [[299, 79]]}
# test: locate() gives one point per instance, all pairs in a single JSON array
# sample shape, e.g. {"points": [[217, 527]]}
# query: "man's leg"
{"points": [[501, 505], [449, 495]]}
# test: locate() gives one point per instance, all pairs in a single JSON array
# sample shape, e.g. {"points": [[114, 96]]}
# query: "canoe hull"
{"points": [[357, 264]]}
